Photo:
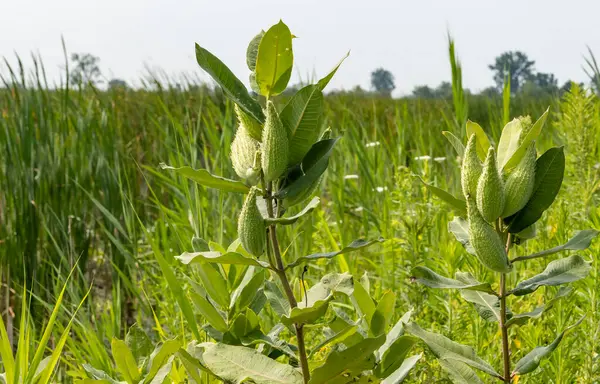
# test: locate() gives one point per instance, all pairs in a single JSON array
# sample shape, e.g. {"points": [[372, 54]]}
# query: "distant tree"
{"points": [[515, 63], [382, 81], [566, 87], [545, 81], [86, 70], [423, 92], [444, 90], [540, 84], [116, 84]]}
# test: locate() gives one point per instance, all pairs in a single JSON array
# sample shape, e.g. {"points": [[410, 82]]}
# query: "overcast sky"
{"points": [[407, 37]]}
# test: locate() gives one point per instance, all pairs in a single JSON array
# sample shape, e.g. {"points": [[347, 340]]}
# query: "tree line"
{"points": [[513, 66]]}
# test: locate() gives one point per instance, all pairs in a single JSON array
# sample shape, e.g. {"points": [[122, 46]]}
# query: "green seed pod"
{"points": [[243, 153], [274, 146], [471, 168], [252, 126], [251, 226], [519, 184], [485, 240], [490, 189]]}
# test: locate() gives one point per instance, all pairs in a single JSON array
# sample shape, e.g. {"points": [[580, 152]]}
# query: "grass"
{"points": [[80, 190]]}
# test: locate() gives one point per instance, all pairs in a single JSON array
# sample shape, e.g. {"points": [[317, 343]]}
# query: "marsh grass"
{"points": [[80, 188]]}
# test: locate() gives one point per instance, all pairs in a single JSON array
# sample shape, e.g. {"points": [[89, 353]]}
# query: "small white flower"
{"points": [[421, 158], [439, 159], [373, 144], [350, 177], [358, 209], [381, 189]]}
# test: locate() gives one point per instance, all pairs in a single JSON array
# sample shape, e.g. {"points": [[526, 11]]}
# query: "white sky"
{"points": [[406, 37]]}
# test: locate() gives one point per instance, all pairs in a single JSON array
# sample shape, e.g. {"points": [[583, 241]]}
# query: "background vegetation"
{"points": [[80, 190]]}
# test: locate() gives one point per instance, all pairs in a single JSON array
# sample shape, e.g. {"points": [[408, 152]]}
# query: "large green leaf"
{"points": [[509, 141], [354, 246], [483, 142], [245, 293], [459, 372], [220, 258], [459, 227], [402, 372], [317, 298], [231, 85], [446, 349], [396, 332], [307, 314], [324, 81], [314, 203], [125, 361], [549, 172], [523, 318], [206, 179], [214, 283], [209, 312], [431, 279], [159, 358], [532, 135], [362, 300], [252, 51], [276, 299], [456, 203], [302, 176], [236, 364], [352, 360], [394, 356], [302, 117], [274, 60], [383, 314], [459, 147], [532, 360], [558, 272], [488, 306], [336, 338], [245, 324], [582, 240]]}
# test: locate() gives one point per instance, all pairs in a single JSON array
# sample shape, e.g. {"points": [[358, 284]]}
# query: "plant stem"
{"points": [[280, 270], [503, 327]]}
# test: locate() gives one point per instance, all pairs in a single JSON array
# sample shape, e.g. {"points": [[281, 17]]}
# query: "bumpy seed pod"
{"points": [[519, 184], [471, 168], [252, 126], [274, 146], [485, 240], [490, 189], [251, 226], [243, 153]]}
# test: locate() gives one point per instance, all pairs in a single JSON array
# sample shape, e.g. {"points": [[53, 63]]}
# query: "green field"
{"points": [[81, 191]]}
